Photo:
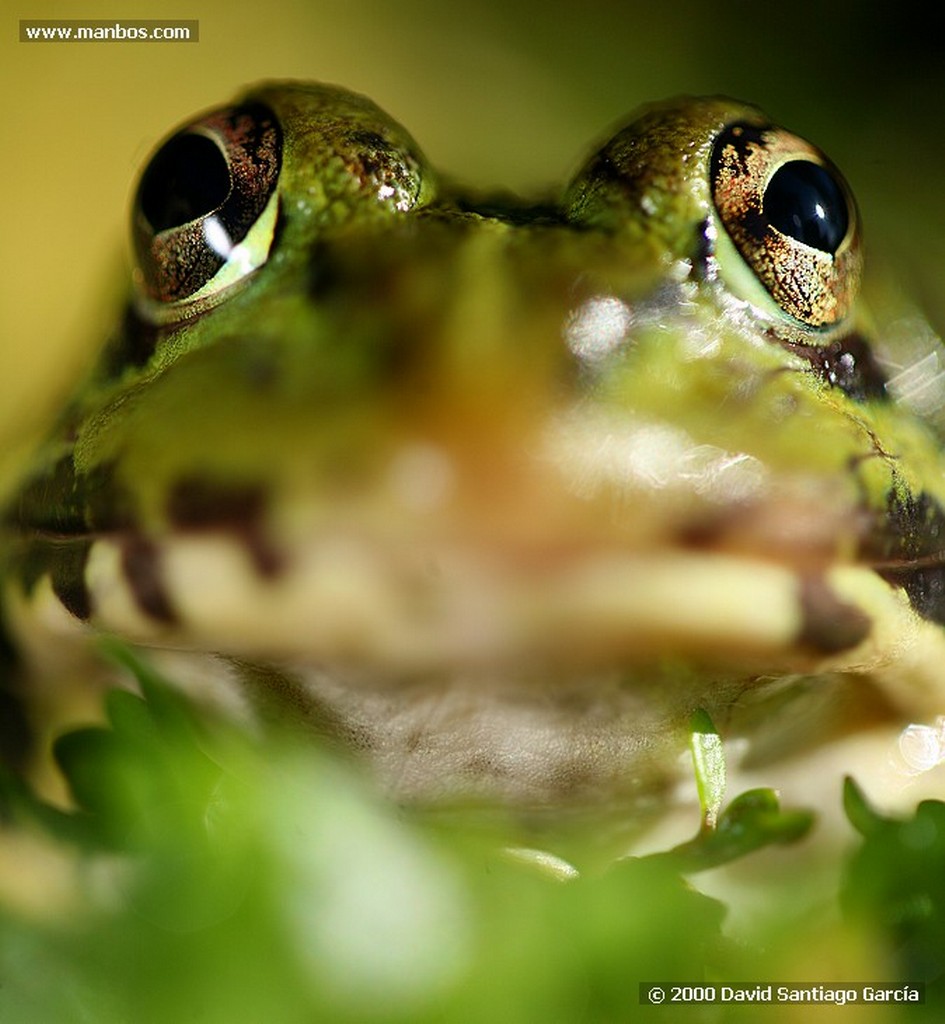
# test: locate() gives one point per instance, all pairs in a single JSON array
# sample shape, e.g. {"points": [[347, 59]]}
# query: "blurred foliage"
{"points": [[204, 876], [897, 881]]}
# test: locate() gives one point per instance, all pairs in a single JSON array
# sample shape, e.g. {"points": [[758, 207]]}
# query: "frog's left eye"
{"points": [[205, 209], [792, 218]]}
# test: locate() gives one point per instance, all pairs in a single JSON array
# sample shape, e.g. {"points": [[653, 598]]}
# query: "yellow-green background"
{"points": [[507, 92]]}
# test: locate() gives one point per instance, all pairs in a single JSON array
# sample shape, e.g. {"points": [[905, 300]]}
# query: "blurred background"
{"points": [[507, 92]]}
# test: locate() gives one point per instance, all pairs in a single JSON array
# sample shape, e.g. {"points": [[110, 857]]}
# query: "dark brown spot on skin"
{"points": [[736, 145], [28, 563], [63, 560], [924, 586], [199, 505], [68, 571], [908, 550], [847, 364], [830, 625], [141, 564], [60, 501]]}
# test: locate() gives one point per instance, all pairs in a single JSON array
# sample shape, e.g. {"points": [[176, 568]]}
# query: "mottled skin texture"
{"points": [[496, 493]]}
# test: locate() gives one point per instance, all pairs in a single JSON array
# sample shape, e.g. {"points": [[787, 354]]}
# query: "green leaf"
{"points": [[859, 812], [751, 821], [708, 759]]}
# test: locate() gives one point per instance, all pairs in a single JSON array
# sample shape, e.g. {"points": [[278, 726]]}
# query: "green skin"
{"points": [[512, 518]]}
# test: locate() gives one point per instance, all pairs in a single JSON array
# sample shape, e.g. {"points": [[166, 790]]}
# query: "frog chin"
{"points": [[552, 742]]}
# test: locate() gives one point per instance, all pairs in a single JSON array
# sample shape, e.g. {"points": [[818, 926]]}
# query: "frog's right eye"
{"points": [[792, 219], [205, 209]]}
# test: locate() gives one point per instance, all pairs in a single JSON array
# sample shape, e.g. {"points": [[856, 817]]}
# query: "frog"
{"points": [[491, 493]]}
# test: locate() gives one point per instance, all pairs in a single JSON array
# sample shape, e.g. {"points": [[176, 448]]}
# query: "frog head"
{"points": [[501, 490]]}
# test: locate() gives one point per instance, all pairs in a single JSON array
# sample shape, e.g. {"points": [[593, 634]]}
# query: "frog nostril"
{"points": [[804, 200]]}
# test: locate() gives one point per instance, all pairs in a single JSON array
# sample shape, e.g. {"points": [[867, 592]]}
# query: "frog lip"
{"points": [[448, 606], [535, 572]]}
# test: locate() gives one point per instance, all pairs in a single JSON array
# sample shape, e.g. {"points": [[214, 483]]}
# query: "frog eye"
{"points": [[205, 209], [792, 219]]}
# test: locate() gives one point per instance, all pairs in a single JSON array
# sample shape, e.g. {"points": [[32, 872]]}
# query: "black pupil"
{"points": [[187, 178], [805, 201]]}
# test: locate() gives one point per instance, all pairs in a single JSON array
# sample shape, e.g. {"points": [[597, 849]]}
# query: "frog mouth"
{"points": [[712, 565], [443, 604]]}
